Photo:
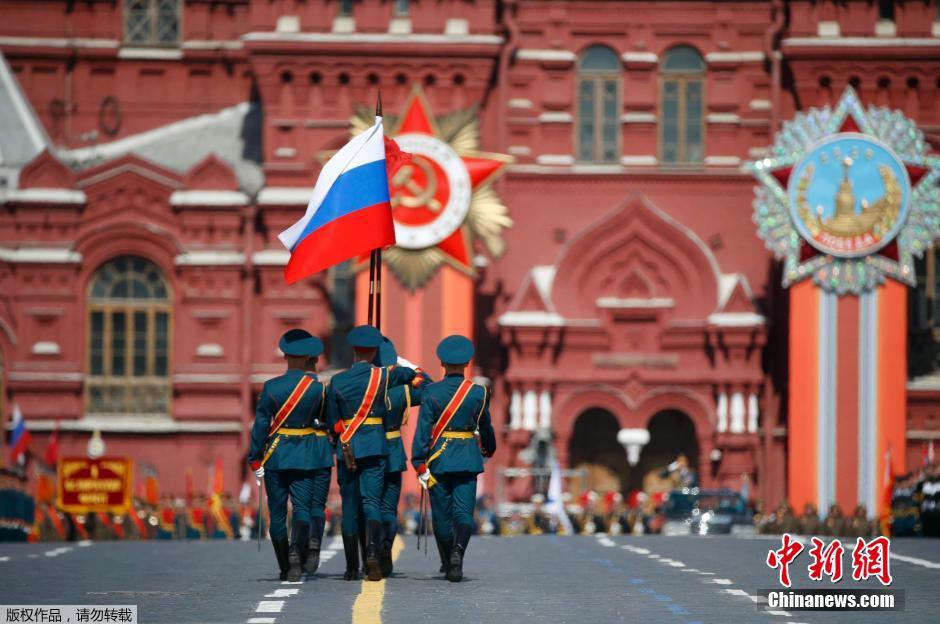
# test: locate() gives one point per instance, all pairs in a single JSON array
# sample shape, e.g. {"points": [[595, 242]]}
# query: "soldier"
{"points": [[400, 400], [283, 445], [355, 405], [322, 461], [452, 441]]}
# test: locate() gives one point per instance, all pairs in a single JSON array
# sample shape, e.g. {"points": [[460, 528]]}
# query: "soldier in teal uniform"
{"points": [[452, 440], [361, 444], [400, 401], [284, 445], [323, 466]]}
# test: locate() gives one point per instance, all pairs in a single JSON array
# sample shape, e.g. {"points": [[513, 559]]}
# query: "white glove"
{"points": [[424, 479], [403, 362], [259, 474]]}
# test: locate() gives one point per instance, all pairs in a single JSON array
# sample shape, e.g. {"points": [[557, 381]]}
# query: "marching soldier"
{"points": [[283, 448], [356, 404], [322, 468], [453, 438], [400, 401]]}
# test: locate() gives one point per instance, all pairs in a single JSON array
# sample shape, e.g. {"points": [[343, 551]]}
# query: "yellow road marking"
{"points": [[368, 606]]}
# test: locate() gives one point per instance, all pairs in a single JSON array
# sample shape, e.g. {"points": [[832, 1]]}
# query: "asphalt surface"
{"points": [[680, 580]]}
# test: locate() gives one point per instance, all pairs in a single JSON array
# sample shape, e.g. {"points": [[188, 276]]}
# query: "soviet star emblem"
{"points": [[848, 197], [442, 197]]}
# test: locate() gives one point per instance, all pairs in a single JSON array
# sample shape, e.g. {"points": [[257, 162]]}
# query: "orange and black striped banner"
{"points": [[372, 389], [452, 406], [295, 395]]}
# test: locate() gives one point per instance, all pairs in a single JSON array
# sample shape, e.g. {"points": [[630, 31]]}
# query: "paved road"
{"points": [[681, 580]]}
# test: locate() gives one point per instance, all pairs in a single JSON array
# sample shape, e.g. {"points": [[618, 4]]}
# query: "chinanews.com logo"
{"points": [[870, 561]]}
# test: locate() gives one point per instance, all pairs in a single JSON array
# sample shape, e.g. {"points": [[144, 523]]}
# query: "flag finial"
{"points": [[378, 104]]}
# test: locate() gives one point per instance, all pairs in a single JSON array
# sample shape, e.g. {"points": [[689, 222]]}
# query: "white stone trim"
{"points": [[541, 319], [44, 196], [828, 28], [639, 160], [271, 257], [722, 161], [935, 29], [529, 410], [360, 38], [759, 105], [399, 26], [749, 56], [285, 152], [156, 54], [736, 319], [43, 376], [135, 423], [208, 44], [210, 349], [209, 198], [758, 152], [530, 54], [520, 103], [555, 159], [737, 413], [925, 382], [210, 258], [886, 28], [555, 117], [851, 42], [640, 57], [456, 26], [284, 195], [206, 378], [635, 303], [722, 118], [40, 255], [287, 24], [46, 347], [24, 110], [753, 413], [342, 25], [638, 118], [59, 42], [519, 150]]}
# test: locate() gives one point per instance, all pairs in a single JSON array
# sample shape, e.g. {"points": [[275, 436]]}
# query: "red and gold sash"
{"points": [[292, 400], [448, 414], [372, 390]]}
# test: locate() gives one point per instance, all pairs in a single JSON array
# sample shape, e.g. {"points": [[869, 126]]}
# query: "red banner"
{"points": [[92, 485]]}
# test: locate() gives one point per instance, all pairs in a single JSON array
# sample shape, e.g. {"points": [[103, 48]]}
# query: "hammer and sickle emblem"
{"points": [[416, 196]]}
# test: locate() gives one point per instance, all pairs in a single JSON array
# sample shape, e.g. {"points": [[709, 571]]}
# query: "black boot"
{"points": [[300, 535], [281, 551], [312, 561], [443, 549], [389, 529], [461, 541], [351, 549], [373, 535]]}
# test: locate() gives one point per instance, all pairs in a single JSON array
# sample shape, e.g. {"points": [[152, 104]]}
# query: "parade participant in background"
{"points": [[356, 404], [283, 447], [400, 401], [453, 437], [322, 462]]}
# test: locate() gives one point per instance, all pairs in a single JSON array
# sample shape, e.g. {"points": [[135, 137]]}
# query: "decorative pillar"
{"points": [[722, 411], [529, 410], [545, 410], [515, 410], [737, 412]]}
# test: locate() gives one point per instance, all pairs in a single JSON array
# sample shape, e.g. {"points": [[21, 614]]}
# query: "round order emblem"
{"points": [[431, 194], [849, 195]]}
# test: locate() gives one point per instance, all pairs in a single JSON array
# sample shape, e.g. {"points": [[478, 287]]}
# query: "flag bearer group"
{"points": [[301, 424]]}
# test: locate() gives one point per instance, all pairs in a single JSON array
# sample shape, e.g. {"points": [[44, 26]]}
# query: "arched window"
{"points": [[681, 124], [598, 132], [128, 339]]}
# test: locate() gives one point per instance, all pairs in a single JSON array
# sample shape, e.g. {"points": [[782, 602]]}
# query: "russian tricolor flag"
{"points": [[20, 437], [349, 213]]}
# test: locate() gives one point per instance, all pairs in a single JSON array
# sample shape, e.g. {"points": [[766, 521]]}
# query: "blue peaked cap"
{"points": [[455, 349], [387, 355], [364, 337], [299, 342]]}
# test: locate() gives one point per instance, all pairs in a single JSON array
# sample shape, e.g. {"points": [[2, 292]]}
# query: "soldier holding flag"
{"points": [[283, 448], [453, 438]]}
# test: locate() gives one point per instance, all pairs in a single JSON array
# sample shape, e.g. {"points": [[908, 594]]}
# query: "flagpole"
{"points": [[375, 263]]}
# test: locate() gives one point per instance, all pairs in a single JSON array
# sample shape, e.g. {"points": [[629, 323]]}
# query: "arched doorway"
{"points": [[672, 433], [594, 448]]}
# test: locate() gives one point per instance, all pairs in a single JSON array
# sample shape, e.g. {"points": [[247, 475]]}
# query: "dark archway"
{"points": [[672, 433], [594, 447]]}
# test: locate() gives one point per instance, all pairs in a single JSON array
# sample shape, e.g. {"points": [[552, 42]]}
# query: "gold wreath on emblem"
{"points": [[487, 216], [876, 217]]}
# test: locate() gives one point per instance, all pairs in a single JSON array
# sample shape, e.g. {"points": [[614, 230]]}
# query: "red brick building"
{"points": [[153, 149]]}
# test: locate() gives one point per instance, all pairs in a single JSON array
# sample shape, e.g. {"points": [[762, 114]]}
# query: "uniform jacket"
{"points": [[460, 455], [400, 399], [307, 452], [345, 396]]}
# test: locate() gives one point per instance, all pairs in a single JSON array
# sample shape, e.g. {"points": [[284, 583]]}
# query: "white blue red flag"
{"points": [[20, 437], [349, 213]]}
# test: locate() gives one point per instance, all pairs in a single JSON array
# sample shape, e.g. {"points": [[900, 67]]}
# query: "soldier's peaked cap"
{"points": [[455, 349], [364, 337], [313, 346], [293, 342], [387, 355]]}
